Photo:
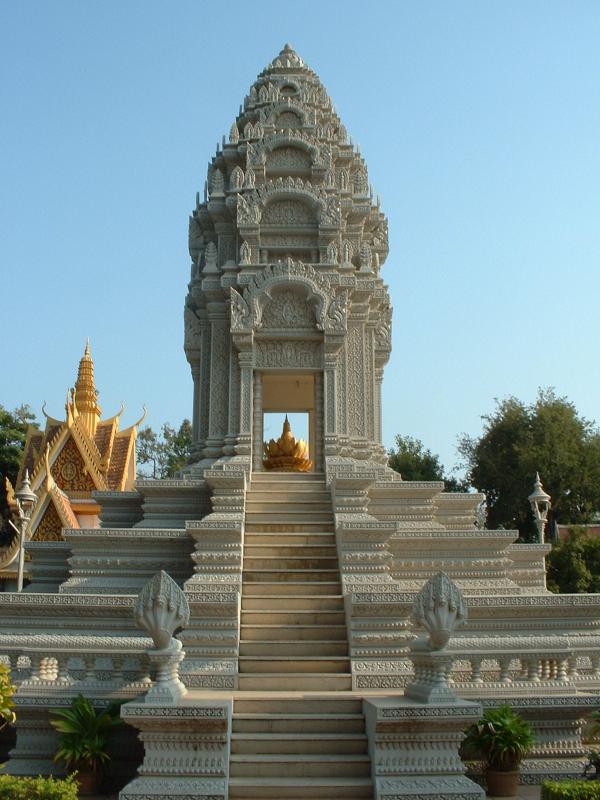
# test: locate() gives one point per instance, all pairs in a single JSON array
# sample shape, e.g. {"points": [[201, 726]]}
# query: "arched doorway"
{"points": [[289, 391]]}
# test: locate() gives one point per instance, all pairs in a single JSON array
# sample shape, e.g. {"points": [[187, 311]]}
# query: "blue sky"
{"points": [[479, 122]]}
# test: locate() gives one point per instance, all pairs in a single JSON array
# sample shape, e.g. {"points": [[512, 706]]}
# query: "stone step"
{"points": [[300, 648], [285, 564], [294, 633], [295, 487], [300, 495], [294, 681], [288, 516], [304, 602], [289, 539], [294, 575], [293, 703], [290, 788], [248, 722], [251, 526], [300, 618], [305, 664], [288, 477], [285, 550], [284, 589], [356, 765], [286, 507], [307, 743]]}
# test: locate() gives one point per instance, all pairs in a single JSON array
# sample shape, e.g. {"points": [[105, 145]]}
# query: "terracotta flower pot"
{"points": [[88, 782], [502, 784]]}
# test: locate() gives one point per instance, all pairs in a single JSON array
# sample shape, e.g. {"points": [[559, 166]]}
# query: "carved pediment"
{"points": [[288, 159], [288, 309], [288, 212]]}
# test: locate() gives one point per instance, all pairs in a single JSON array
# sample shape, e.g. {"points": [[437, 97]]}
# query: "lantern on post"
{"points": [[540, 505], [26, 500]]}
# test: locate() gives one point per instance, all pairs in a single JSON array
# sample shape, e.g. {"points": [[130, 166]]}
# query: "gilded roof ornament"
{"points": [[86, 396]]}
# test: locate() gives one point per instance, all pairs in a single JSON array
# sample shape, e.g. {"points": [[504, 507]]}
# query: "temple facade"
{"points": [[260, 611]]}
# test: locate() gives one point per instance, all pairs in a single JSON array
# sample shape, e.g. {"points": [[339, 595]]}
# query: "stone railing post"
{"points": [[214, 590], [414, 740]]}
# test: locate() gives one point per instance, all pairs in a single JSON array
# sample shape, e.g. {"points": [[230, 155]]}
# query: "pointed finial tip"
{"points": [[287, 47]]}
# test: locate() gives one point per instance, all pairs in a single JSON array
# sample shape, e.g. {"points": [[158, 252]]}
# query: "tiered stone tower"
{"points": [[296, 591], [287, 249]]}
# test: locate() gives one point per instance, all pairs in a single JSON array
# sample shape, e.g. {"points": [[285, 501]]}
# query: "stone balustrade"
{"points": [[104, 664]]}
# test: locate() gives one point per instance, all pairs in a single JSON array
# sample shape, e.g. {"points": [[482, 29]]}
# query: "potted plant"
{"points": [[83, 742], [501, 739]]}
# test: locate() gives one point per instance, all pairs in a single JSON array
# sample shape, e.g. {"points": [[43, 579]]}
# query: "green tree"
{"points": [[13, 429], [574, 565], [416, 463], [166, 452], [7, 715], [518, 440]]}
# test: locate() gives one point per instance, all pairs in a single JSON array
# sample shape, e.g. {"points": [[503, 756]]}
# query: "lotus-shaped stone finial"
{"points": [[161, 608], [439, 608]]}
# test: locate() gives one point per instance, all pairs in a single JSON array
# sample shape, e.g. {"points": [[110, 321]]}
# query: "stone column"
{"points": [[194, 361], [329, 393], [257, 432], [204, 387], [234, 402], [244, 439], [378, 382], [219, 380], [319, 426]]}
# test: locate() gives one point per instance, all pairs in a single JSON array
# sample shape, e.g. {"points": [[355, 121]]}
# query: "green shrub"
{"points": [[16, 788], [571, 790]]}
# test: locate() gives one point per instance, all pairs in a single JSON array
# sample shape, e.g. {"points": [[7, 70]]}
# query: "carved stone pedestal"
{"points": [[414, 749], [186, 750]]}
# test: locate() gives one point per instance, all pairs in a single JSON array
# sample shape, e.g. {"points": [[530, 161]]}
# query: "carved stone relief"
{"points": [[288, 354], [288, 158], [288, 212], [287, 309]]}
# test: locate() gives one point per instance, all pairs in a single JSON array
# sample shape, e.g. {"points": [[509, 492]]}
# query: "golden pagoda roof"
{"points": [[71, 458], [107, 453]]}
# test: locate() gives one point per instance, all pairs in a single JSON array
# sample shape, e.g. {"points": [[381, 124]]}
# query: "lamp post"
{"points": [[540, 505], [26, 500]]}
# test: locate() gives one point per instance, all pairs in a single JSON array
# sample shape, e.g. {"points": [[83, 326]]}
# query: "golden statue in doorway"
{"points": [[287, 454]]}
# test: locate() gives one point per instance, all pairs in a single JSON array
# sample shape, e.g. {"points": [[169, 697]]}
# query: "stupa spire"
{"points": [[86, 394]]}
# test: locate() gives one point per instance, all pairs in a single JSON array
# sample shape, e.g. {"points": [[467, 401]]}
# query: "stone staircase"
{"points": [[296, 733]]}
